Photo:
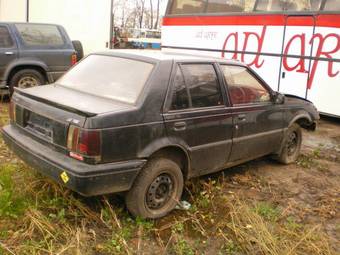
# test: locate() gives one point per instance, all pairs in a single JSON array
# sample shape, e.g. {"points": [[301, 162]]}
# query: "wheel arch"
{"points": [[304, 120], [176, 152], [35, 65]]}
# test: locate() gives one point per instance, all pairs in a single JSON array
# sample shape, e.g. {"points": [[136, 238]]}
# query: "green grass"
{"points": [[267, 211], [12, 203]]}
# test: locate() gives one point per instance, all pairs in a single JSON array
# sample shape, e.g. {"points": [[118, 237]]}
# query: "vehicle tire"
{"points": [[26, 78], [290, 148], [157, 189], [77, 45]]}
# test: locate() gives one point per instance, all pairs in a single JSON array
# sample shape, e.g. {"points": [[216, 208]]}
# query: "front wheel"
{"points": [[291, 145], [157, 189]]}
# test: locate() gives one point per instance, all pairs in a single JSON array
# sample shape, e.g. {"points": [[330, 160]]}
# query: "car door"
{"points": [[197, 117], [8, 49], [258, 121]]}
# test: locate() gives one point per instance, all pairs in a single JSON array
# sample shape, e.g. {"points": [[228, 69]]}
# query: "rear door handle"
{"points": [[9, 53], [241, 117], [180, 126]]}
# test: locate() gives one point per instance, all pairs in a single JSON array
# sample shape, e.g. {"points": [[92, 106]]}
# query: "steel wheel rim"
{"points": [[292, 143], [159, 192], [27, 82]]}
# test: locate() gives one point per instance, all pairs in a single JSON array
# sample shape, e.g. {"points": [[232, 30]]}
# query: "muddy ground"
{"points": [[306, 194]]}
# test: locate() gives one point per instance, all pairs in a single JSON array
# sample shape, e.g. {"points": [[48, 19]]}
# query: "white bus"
{"points": [[145, 38], [293, 44]]}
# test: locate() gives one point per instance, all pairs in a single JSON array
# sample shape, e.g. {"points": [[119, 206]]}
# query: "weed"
{"points": [[291, 224], [267, 211], [306, 161], [181, 247], [12, 204], [229, 248]]}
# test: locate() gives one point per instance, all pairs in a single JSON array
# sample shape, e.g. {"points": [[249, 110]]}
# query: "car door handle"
{"points": [[180, 126], [241, 117], [8, 53]]}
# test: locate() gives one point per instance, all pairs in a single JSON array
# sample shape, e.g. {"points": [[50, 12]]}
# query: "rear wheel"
{"points": [[26, 78], [291, 145], [157, 189]]}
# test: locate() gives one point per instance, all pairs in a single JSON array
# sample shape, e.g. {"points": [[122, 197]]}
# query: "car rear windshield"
{"points": [[110, 77]]}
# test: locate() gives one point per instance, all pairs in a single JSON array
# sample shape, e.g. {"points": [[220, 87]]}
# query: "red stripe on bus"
{"points": [[252, 20], [328, 20]]}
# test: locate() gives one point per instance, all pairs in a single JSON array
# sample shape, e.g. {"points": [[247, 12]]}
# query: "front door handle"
{"points": [[9, 53], [241, 117], [180, 126]]}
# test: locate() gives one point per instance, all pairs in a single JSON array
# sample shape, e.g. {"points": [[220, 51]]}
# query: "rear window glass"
{"points": [[40, 35], [5, 38], [109, 77]]}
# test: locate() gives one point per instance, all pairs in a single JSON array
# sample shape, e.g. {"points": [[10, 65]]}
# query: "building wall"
{"points": [[85, 20], [13, 10]]}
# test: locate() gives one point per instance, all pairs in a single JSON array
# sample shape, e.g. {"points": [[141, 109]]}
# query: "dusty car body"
{"points": [[143, 122]]}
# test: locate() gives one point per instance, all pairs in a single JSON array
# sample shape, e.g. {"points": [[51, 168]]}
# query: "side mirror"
{"points": [[279, 98]]}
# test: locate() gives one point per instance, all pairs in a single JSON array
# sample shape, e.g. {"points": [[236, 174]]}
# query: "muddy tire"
{"points": [[291, 145], [26, 78], [157, 189]]}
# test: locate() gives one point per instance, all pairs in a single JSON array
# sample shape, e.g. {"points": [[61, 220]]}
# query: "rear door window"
{"points": [[5, 38], [180, 96], [196, 86], [40, 35]]}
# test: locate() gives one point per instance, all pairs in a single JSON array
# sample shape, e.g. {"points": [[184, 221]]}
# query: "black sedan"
{"points": [[141, 123]]}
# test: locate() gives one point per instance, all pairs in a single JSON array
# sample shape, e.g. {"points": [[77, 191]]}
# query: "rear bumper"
{"points": [[88, 180]]}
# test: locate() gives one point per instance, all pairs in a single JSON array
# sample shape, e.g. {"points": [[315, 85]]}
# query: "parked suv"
{"points": [[35, 54], [143, 122]]}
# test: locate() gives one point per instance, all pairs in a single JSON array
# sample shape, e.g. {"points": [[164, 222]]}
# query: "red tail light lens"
{"points": [[83, 142], [89, 143], [12, 111], [73, 59]]}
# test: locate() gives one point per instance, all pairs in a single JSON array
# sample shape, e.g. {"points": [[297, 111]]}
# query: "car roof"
{"points": [[159, 55], [27, 23]]}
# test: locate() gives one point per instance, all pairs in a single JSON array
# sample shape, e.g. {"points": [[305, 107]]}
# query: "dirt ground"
{"points": [[306, 194]]}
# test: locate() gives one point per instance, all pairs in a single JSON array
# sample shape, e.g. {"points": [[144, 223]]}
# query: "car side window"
{"points": [[5, 38], [243, 87], [203, 85], [180, 96], [40, 35]]}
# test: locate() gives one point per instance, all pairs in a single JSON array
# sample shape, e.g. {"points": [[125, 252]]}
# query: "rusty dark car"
{"points": [[140, 123]]}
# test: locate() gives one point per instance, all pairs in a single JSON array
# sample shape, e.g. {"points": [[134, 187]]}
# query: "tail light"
{"points": [[73, 59], [84, 143], [12, 111]]}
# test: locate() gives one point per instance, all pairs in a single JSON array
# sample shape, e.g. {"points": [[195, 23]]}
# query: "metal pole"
{"points": [[27, 10], [111, 25]]}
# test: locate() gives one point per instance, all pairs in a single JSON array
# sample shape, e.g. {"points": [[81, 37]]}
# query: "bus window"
{"points": [[332, 5], [215, 6], [187, 6], [288, 5], [269, 5]]}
